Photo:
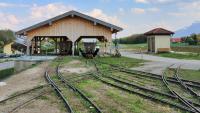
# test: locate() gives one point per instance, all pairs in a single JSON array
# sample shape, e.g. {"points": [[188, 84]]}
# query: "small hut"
{"points": [[159, 40]]}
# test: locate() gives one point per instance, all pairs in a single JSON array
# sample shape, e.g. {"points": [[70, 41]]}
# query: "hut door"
{"points": [[153, 44]]}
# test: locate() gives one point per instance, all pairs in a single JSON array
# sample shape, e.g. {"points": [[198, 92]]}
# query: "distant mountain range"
{"points": [[194, 28]]}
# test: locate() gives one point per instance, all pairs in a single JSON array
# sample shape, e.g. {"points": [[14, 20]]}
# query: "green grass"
{"points": [[122, 61], [62, 60], [126, 102], [189, 56], [133, 47], [190, 75], [6, 73]]}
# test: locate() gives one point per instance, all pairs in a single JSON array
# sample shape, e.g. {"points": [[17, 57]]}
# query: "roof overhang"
{"points": [[72, 13]]}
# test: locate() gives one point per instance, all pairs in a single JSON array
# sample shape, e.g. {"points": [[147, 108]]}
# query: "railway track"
{"points": [[59, 93], [22, 93], [185, 108], [131, 84], [76, 90], [151, 75], [184, 101], [185, 85], [26, 101]]}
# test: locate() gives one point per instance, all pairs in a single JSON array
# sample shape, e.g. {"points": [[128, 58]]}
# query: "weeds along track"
{"points": [[59, 93], [21, 100], [164, 98], [190, 83], [181, 99], [76, 90], [189, 89]]}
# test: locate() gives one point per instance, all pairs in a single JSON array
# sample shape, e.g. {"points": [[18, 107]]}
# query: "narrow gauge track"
{"points": [[23, 93], [177, 73], [184, 101], [98, 77], [72, 79], [97, 109], [145, 89], [58, 91], [26, 102], [151, 75]]}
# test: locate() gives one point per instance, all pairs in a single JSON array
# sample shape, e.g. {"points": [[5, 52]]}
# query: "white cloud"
{"points": [[154, 1], [141, 1], [142, 11], [189, 10], [138, 10], [8, 21], [49, 10], [98, 13], [6, 5]]}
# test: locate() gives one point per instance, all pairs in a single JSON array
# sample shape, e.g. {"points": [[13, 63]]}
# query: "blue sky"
{"points": [[135, 16]]}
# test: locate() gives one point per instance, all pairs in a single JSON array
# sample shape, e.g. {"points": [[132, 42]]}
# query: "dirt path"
{"points": [[24, 80]]}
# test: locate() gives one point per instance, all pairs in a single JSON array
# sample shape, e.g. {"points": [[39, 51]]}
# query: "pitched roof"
{"points": [[159, 31], [70, 13]]}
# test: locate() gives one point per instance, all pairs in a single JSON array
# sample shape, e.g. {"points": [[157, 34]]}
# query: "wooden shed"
{"points": [[66, 30], [159, 40]]}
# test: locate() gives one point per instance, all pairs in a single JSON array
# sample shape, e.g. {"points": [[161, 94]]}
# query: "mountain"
{"points": [[194, 28]]}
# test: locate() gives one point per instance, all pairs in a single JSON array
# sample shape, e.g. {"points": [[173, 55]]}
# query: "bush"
{"points": [[6, 73]]}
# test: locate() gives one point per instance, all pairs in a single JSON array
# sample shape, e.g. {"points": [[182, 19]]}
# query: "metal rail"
{"points": [[147, 89], [185, 85], [78, 91], [141, 94], [26, 102], [151, 75], [22, 93], [144, 95], [191, 106], [58, 91]]}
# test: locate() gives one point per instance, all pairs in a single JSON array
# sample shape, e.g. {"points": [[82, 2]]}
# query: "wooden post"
{"points": [[35, 45], [40, 45], [72, 48], [56, 46], [27, 47]]}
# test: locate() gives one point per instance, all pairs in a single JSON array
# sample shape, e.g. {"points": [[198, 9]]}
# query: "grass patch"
{"points": [[122, 61], [189, 56], [190, 75], [194, 49], [62, 60], [6, 73], [43, 97]]}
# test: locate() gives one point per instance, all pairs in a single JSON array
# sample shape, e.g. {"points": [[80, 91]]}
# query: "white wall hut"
{"points": [[158, 40]]}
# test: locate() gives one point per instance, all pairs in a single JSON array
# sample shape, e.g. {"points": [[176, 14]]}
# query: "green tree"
{"points": [[6, 36]]}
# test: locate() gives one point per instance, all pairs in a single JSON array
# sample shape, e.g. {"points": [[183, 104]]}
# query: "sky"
{"points": [[134, 16]]}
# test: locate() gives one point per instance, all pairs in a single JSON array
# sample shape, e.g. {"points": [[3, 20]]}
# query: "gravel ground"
{"points": [[23, 81], [158, 64]]}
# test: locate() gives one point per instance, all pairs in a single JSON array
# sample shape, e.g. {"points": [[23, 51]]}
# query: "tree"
{"points": [[6, 36], [192, 39]]}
